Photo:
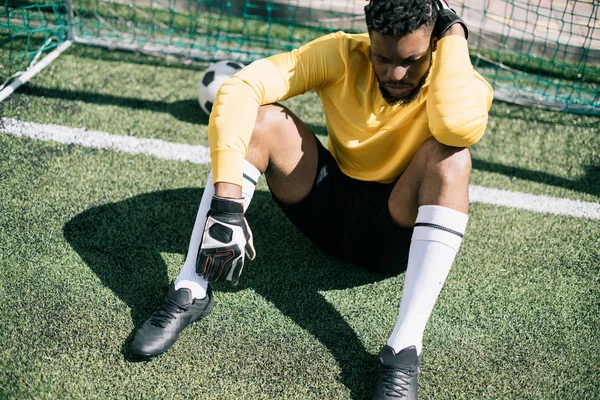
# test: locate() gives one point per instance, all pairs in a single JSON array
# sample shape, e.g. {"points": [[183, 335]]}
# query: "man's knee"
{"points": [[279, 140], [269, 121], [446, 161], [270, 118]]}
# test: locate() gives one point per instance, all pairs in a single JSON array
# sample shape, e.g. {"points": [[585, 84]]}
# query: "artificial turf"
{"points": [[89, 240]]}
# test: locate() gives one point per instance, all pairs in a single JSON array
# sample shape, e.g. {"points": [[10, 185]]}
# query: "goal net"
{"points": [[542, 53], [28, 31]]}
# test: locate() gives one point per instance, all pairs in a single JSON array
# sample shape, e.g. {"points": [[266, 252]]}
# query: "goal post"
{"points": [[32, 34], [542, 53]]}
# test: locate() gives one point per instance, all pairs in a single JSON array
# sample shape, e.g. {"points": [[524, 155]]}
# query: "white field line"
{"points": [[201, 155], [531, 202], [102, 140]]}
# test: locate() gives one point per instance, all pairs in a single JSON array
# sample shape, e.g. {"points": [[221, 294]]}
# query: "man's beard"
{"points": [[403, 100]]}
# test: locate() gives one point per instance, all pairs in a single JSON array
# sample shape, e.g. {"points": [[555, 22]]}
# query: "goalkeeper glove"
{"points": [[446, 17], [226, 241]]}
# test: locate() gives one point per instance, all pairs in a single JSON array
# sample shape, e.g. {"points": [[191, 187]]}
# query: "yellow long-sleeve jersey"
{"points": [[370, 139]]}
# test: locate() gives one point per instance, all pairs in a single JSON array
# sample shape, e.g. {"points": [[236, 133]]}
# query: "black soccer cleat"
{"points": [[398, 374], [162, 329]]}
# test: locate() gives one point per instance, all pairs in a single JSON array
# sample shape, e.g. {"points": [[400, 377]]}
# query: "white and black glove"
{"points": [[226, 241], [446, 17]]}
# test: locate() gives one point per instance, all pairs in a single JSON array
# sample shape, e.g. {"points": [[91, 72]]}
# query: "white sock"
{"points": [[188, 278], [436, 239]]}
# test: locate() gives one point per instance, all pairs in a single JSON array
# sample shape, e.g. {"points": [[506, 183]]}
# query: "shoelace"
{"points": [[166, 312], [396, 380]]}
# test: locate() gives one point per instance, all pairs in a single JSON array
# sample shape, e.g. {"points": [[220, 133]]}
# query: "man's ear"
{"points": [[434, 42]]}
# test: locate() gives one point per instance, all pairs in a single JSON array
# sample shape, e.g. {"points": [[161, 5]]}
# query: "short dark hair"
{"points": [[398, 17]]}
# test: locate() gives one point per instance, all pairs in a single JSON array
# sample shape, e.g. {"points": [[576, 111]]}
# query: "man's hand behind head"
{"points": [[447, 21]]}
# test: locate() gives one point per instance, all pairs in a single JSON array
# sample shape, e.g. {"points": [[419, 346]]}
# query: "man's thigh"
{"points": [[320, 214], [285, 149]]}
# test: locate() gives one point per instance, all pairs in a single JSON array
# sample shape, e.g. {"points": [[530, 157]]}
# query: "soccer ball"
{"points": [[212, 79]]}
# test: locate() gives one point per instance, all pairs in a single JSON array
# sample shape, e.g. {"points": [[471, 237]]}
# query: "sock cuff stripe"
{"points": [[251, 172], [443, 228], [249, 179]]}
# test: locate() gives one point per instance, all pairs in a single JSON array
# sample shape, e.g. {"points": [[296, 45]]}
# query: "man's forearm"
{"points": [[458, 101], [225, 189]]}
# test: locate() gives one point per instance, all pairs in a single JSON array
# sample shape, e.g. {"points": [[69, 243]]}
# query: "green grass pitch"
{"points": [[89, 240]]}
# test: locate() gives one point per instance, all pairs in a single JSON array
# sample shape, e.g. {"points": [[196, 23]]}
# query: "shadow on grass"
{"points": [[589, 183], [122, 243], [553, 118], [184, 110]]}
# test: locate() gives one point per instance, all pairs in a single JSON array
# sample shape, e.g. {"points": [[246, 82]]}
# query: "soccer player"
{"points": [[402, 105]]}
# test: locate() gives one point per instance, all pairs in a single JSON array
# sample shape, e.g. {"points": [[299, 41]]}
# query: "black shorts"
{"points": [[349, 219]]}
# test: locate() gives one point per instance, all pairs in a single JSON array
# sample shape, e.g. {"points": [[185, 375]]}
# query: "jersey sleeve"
{"points": [[316, 64], [459, 98]]}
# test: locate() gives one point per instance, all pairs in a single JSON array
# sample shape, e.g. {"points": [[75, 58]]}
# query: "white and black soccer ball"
{"points": [[212, 79]]}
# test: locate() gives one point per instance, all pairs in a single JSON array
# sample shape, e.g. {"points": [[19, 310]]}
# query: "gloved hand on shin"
{"points": [[226, 241]]}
